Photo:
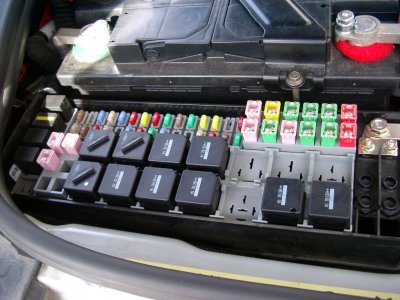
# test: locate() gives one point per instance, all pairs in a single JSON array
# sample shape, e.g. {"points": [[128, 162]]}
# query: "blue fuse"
{"points": [[121, 118], [163, 130], [101, 117], [129, 128]]}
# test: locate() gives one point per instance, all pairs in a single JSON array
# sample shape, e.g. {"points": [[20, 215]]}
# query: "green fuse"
{"points": [[151, 131], [191, 121], [310, 111], [291, 110], [237, 140], [329, 131], [329, 112], [269, 131], [307, 132], [167, 120]]}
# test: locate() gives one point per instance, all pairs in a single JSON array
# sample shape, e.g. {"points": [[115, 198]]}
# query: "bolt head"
{"points": [[378, 124], [345, 17], [295, 79], [391, 145]]}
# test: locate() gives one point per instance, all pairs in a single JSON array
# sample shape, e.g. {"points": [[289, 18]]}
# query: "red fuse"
{"points": [[133, 118], [240, 123], [348, 135], [96, 126], [140, 129], [348, 113], [212, 134], [155, 119]]}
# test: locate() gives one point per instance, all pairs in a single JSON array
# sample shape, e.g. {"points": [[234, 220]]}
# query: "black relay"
{"points": [[329, 205], [198, 193], [83, 180], [168, 150], [132, 147], [209, 154], [282, 201], [118, 184], [156, 188], [25, 158], [36, 137], [97, 145]]}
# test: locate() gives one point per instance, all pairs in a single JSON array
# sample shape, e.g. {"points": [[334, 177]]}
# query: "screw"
{"points": [[295, 79], [377, 128], [368, 145], [390, 145], [345, 20]]}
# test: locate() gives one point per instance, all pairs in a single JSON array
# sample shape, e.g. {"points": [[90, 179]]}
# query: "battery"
{"points": [[156, 188], [283, 201], [97, 145], [59, 104], [118, 184], [83, 180], [329, 205], [209, 154], [132, 147], [168, 150], [52, 121], [198, 193]]}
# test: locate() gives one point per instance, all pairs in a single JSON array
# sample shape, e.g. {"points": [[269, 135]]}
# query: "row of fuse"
{"points": [[155, 123], [306, 127]]}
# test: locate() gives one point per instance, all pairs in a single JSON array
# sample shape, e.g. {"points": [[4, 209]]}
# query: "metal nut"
{"points": [[295, 79], [390, 148], [345, 21], [377, 128], [366, 145]]}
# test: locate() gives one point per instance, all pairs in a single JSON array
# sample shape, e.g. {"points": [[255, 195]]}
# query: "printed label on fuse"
{"points": [[282, 194], [196, 184]]}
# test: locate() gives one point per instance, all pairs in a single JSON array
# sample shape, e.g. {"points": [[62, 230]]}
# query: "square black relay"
{"points": [[282, 201], [97, 145], [198, 193], [330, 205], [168, 150], [117, 185], [132, 147], [155, 188], [83, 180], [209, 154]]}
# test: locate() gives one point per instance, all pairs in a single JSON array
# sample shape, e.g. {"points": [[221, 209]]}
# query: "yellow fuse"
{"points": [[215, 123], [272, 110], [145, 119], [203, 122]]}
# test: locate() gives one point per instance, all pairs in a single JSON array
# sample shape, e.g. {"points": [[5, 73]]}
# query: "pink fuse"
{"points": [[48, 160], [253, 109], [54, 142], [288, 132], [250, 130], [72, 143]]}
